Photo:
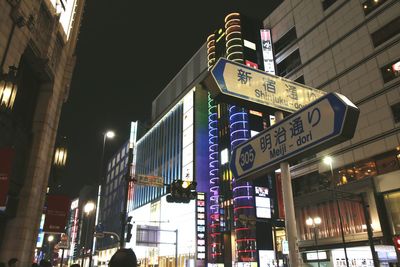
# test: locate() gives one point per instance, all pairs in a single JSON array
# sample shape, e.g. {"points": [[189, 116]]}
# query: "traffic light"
{"points": [[396, 241], [181, 191], [128, 232], [128, 229]]}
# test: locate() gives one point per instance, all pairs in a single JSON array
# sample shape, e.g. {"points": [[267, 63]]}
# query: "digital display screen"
{"points": [[263, 202]]}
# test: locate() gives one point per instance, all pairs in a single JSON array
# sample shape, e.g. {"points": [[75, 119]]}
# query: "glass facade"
{"points": [[113, 193], [159, 153]]}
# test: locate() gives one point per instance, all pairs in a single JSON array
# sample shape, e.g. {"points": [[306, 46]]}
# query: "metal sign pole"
{"points": [[124, 213], [290, 220], [176, 248], [62, 258]]}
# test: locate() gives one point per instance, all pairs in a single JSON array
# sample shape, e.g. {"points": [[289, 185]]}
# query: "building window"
{"points": [[287, 39], [327, 3], [386, 32], [371, 5], [396, 112], [391, 71], [289, 63]]}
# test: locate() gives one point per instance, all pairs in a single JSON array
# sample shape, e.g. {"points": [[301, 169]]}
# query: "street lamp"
{"points": [[88, 208], [60, 156], [107, 135], [328, 161], [314, 223], [50, 239], [8, 88]]}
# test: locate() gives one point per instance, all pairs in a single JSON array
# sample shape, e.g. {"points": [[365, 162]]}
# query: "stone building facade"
{"points": [[350, 47], [38, 38]]}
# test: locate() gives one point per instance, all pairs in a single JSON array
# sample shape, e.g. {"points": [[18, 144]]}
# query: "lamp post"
{"points": [[50, 239], [107, 135], [314, 223], [88, 208], [328, 161]]}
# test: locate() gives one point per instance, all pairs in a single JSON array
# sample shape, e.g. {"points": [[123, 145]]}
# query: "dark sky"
{"points": [[127, 52]]}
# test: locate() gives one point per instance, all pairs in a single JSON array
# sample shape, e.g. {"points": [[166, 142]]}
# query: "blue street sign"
{"points": [[235, 83], [325, 122]]}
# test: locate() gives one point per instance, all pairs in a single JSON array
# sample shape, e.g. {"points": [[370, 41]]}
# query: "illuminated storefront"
{"points": [[156, 245]]}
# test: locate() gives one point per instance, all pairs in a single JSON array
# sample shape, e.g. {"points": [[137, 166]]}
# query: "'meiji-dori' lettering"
{"points": [[278, 151], [304, 139]]}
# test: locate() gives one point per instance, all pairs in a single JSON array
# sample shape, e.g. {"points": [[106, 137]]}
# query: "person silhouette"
{"points": [[123, 258], [12, 262]]}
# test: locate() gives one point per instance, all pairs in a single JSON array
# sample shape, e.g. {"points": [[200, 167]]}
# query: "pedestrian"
{"points": [[75, 265], [12, 262], [123, 258]]}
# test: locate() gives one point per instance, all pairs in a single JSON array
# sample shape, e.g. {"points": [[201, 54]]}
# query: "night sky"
{"points": [[128, 51]]}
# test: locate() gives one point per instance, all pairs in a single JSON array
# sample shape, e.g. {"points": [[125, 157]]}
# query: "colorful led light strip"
{"points": [[213, 164], [239, 132]]}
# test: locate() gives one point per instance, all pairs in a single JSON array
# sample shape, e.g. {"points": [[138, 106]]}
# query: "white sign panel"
{"points": [[268, 55], [247, 86], [149, 180], [328, 121], [187, 137]]}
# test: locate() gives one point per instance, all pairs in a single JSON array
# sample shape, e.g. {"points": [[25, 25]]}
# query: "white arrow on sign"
{"points": [[239, 84], [326, 122]]}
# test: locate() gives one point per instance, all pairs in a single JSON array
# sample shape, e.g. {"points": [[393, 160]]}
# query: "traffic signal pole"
{"points": [[124, 212]]}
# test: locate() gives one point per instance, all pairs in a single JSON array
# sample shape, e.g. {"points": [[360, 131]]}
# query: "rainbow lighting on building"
{"points": [[232, 209], [213, 164], [243, 202]]}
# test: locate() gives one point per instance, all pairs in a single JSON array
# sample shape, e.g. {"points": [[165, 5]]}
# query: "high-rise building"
{"points": [[37, 55], [237, 232], [351, 47]]}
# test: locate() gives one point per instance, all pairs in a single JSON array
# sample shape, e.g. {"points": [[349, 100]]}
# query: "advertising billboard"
{"points": [[268, 54], [58, 207], [187, 137]]}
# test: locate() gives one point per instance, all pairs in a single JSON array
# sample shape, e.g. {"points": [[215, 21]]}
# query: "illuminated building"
{"points": [[350, 47], [236, 233], [191, 138], [37, 52]]}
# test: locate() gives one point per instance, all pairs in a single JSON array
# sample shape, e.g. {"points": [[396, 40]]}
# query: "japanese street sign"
{"points": [[326, 122], [63, 244], [149, 180], [239, 84]]}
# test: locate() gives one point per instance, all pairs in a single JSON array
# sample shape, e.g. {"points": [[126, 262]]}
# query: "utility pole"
{"points": [[124, 213]]}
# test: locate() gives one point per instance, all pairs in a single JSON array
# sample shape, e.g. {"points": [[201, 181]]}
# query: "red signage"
{"points": [[251, 64], [58, 207], [6, 159]]}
